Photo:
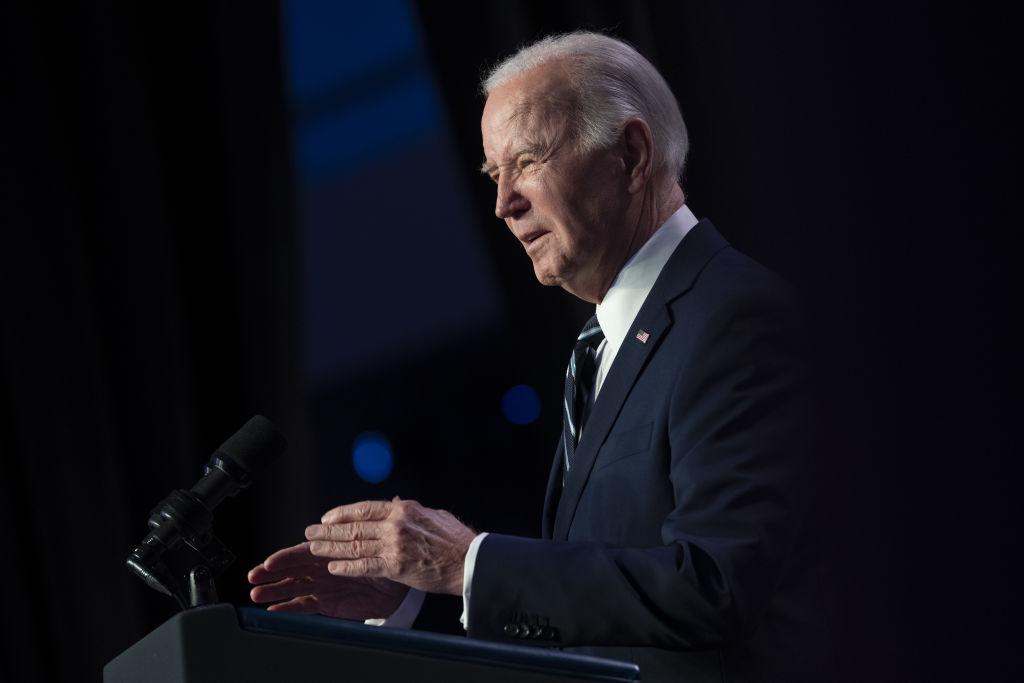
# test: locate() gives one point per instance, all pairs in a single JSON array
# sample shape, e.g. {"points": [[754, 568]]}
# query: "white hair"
{"points": [[611, 83]]}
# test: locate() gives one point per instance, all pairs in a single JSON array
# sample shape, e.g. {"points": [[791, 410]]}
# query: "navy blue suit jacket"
{"points": [[678, 541]]}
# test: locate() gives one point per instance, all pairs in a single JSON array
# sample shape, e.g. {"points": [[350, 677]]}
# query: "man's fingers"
{"points": [[321, 582], [296, 556], [345, 532], [261, 594], [364, 566], [284, 590], [307, 604], [294, 562], [259, 574], [346, 550], [364, 511]]}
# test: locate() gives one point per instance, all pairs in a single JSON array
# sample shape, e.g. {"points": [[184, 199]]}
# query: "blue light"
{"points": [[372, 457], [521, 405]]}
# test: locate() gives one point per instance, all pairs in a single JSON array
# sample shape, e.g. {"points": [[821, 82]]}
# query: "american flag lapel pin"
{"points": [[643, 335]]}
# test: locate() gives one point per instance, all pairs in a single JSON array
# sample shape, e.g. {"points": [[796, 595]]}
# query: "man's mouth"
{"points": [[531, 237]]}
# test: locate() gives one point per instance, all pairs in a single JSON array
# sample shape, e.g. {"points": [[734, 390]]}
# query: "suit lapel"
{"points": [[644, 336]]}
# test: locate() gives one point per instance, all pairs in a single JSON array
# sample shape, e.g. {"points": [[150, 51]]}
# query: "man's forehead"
{"points": [[508, 104], [528, 131], [526, 112], [532, 88]]}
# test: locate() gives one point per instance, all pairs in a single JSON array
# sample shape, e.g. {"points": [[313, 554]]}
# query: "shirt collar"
{"points": [[631, 286]]}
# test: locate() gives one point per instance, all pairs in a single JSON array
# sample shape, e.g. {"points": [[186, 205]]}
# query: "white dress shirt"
{"points": [[631, 286]]}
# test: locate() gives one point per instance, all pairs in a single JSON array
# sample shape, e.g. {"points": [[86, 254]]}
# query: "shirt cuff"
{"points": [[467, 577], [405, 615]]}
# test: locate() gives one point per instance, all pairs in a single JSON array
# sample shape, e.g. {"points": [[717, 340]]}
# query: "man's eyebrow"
{"points": [[531, 148]]}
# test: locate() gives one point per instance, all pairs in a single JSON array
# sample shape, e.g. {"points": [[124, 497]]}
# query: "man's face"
{"points": [[567, 208]]}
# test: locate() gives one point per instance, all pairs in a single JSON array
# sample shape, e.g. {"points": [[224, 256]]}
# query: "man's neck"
{"points": [[654, 211], [670, 203]]}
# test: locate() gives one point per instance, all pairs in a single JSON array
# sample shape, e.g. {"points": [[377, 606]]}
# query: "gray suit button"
{"points": [[511, 630]]}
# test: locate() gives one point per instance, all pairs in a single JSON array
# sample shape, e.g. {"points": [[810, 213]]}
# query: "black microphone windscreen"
{"points": [[255, 445]]}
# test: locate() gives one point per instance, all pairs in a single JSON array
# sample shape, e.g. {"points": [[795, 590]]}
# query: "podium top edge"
{"points": [[413, 642]]}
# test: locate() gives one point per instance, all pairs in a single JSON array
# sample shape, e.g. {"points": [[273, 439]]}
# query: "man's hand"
{"points": [[301, 580], [399, 540]]}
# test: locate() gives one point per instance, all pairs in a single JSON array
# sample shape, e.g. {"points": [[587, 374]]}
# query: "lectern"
{"points": [[217, 643], [222, 644]]}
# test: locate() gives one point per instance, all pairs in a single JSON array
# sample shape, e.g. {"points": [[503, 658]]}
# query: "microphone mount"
{"points": [[181, 557]]}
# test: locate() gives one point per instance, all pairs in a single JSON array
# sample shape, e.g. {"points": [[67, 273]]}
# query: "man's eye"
{"points": [[523, 163]]}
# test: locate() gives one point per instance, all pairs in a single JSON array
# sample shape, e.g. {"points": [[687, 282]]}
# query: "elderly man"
{"points": [[676, 507]]}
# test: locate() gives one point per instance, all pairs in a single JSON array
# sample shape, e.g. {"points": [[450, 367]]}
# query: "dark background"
{"points": [[173, 261]]}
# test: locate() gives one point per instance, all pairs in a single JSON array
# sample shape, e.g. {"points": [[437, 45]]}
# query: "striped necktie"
{"points": [[579, 384]]}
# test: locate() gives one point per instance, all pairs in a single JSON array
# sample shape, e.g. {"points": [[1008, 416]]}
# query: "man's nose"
{"points": [[510, 202]]}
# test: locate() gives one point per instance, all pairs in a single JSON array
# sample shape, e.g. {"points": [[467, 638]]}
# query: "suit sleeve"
{"points": [[730, 432]]}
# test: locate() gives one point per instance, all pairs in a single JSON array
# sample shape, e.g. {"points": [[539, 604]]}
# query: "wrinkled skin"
{"points": [[361, 560]]}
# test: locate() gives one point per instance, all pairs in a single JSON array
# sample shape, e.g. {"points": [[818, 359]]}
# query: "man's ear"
{"points": [[637, 153]]}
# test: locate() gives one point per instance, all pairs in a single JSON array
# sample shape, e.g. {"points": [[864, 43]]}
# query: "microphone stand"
{"points": [[181, 556]]}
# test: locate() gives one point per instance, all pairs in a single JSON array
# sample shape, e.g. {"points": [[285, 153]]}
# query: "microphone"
{"points": [[247, 451], [181, 556]]}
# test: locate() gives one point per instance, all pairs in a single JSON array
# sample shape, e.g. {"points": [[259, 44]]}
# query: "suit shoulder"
{"points": [[731, 278]]}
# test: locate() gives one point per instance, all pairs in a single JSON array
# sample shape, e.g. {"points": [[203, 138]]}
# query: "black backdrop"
{"points": [[149, 295]]}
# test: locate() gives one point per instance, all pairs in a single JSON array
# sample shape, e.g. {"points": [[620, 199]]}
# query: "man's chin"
{"points": [[546, 277]]}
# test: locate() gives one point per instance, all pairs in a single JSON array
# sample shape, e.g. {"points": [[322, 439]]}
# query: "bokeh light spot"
{"points": [[372, 457], [521, 405]]}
